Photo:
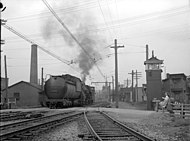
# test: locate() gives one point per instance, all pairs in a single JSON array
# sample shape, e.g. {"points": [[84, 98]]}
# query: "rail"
{"points": [[95, 135], [128, 129], [105, 127], [27, 130]]}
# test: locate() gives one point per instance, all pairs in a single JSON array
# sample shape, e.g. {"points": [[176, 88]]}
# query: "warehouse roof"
{"points": [[30, 84]]}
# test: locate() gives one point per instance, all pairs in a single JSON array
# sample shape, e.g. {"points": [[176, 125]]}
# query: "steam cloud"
{"points": [[80, 29]]}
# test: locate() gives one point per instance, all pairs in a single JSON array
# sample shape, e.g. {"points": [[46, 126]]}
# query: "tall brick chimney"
{"points": [[34, 65]]}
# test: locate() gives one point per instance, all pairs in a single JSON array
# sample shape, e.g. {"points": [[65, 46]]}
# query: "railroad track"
{"points": [[101, 104], [9, 116], [25, 130], [103, 127]]}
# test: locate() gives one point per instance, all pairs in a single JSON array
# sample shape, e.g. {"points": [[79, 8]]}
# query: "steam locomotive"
{"points": [[65, 91]]}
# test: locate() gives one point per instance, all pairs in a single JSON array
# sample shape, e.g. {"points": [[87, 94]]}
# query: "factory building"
{"points": [[23, 95], [177, 85], [125, 94]]}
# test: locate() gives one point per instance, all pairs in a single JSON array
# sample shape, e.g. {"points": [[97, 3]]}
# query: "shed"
{"points": [[26, 94]]}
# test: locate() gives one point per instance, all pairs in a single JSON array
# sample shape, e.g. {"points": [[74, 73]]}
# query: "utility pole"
{"points": [[132, 89], [6, 82], [2, 23], [109, 92], [138, 74], [42, 79], [113, 96], [128, 82], [2, 41], [116, 72]]}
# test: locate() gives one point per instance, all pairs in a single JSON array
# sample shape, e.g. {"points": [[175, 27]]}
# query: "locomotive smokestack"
{"points": [[34, 65]]}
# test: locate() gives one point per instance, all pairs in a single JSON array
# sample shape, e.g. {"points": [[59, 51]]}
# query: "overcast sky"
{"points": [[162, 24]]}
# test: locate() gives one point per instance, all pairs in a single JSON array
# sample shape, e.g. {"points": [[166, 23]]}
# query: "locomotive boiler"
{"points": [[66, 90]]}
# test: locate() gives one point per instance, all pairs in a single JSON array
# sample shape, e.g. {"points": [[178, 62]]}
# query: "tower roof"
{"points": [[153, 60]]}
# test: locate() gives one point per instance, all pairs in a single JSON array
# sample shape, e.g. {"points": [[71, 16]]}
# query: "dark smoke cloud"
{"points": [[89, 41], [88, 57]]}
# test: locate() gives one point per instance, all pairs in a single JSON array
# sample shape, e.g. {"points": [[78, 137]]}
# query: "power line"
{"points": [[80, 7], [115, 26], [117, 13], [110, 15], [39, 46], [105, 20], [74, 38]]}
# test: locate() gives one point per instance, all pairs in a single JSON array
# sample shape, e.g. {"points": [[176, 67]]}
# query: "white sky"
{"points": [[162, 24]]}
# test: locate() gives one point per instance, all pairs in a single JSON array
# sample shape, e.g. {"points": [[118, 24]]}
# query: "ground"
{"points": [[158, 125]]}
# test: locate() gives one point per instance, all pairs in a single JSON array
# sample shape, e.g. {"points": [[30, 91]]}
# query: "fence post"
{"points": [[182, 115]]}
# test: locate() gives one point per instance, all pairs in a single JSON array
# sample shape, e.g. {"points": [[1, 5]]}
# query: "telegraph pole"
{"points": [[135, 75], [132, 89], [2, 22], [113, 96], [6, 82], [128, 81], [42, 79], [138, 74], [116, 72]]}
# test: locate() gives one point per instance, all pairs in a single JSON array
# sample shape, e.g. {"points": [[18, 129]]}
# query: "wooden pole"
{"points": [[6, 82], [116, 74]]}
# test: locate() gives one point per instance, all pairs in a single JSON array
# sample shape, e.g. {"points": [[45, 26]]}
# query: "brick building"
{"points": [[177, 85], [25, 94]]}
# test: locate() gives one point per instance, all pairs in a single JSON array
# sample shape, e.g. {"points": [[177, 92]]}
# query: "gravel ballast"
{"points": [[66, 132]]}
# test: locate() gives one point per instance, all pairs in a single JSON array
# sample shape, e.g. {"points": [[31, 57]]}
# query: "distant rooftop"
{"points": [[175, 76]]}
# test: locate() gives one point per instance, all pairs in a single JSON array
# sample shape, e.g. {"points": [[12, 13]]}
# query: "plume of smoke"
{"points": [[79, 23], [89, 43]]}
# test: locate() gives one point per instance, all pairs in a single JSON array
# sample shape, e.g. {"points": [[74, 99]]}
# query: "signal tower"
{"points": [[153, 78]]}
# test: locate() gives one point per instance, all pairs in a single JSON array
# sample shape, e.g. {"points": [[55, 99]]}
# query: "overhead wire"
{"points": [[145, 18], [111, 18], [39, 46], [38, 35], [152, 14], [107, 27], [87, 5], [74, 38], [117, 13]]}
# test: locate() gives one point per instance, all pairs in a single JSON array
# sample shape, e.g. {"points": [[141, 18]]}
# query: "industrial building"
{"points": [[177, 85], [23, 94], [125, 94]]}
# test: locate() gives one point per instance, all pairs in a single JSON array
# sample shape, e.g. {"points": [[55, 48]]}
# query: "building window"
{"points": [[17, 96], [150, 73]]}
